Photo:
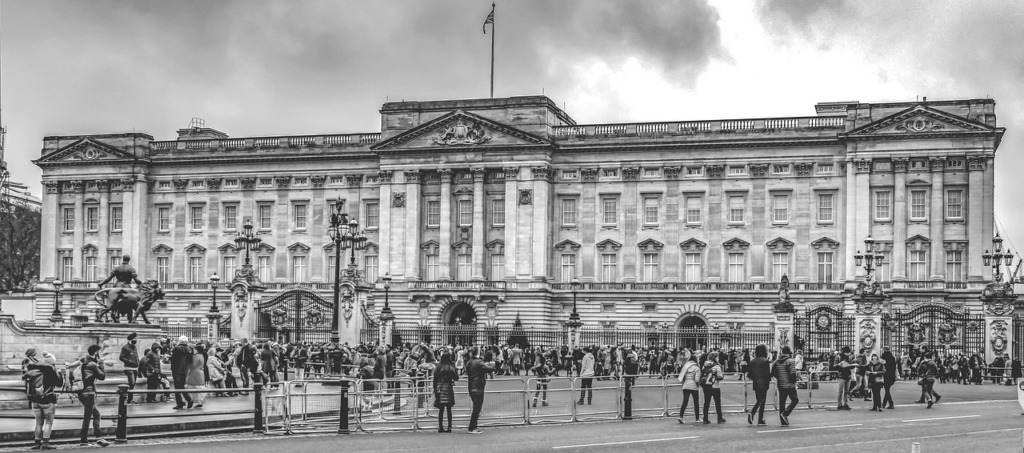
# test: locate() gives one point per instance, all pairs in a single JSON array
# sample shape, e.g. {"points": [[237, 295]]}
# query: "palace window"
{"points": [[780, 169], [90, 268], [609, 267], [694, 171], [163, 269], [568, 212], [114, 256], [67, 268], [498, 212], [371, 268], [433, 213], [780, 208], [693, 268], [652, 172], [263, 216], [883, 205], [610, 211], [92, 218], [955, 204], [650, 269], [298, 269], [918, 205], [918, 265], [116, 218], [737, 170], [195, 269], [464, 266], [826, 207], [263, 267], [163, 219], [568, 267], [825, 267], [827, 168], [693, 210], [780, 265], [884, 272], [196, 216], [230, 266], [737, 267], [230, 216], [736, 208], [465, 212], [954, 266], [372, 216], [651, 210], [497, 266], [299, 216], [69, 219], [433, 268]]}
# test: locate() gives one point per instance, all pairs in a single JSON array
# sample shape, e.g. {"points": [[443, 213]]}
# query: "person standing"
{"points": [[689, 376], [889, 378], [587, 377], [875, 372], [445, 376], [710, 377], [476, 373], [197, 375], [92, 371], [181, 361], [844, 366], [516, 359], [41, 379], [543, 370], [784, 371], [760, 374], [268, 364], [149, 368], [130, 358]]}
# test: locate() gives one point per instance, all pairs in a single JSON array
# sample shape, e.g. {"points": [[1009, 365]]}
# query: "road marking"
{"points": [[957, 403], [625, 442], [780, 430], [846, 444], [939, 418]]}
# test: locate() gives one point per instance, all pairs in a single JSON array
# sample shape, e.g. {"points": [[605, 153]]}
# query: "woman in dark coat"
{"points": [[445, 376]]}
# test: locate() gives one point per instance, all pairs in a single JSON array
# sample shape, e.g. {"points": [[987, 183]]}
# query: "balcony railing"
{"points": [[707, 286], [459, 285], [695, 127], [267, 142]]}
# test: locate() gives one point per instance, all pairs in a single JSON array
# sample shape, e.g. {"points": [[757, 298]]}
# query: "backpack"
{"points": [[76, 379], [34, 388], [708, 376], [143, 366]]}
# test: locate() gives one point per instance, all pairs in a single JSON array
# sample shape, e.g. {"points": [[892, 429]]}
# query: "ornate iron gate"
{"points": [[939, 327], [297, 314], [822, 328]]}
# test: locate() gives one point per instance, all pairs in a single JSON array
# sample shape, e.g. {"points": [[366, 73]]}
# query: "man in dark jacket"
{"points": [[44, 403], [476, 372], [784, 371], [181, 360], [890, 376], [150, 369], [92, 371], [760, 374], [844, 366], [130, 358]]}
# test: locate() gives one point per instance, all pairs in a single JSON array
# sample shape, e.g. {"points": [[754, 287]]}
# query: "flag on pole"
{"points": [[489, 19]]}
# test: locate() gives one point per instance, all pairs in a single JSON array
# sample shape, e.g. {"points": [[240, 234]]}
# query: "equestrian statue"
{"points": [[122, 299]]}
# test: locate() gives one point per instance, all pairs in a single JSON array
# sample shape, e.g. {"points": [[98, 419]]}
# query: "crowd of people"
{"points": [[229, 368]]}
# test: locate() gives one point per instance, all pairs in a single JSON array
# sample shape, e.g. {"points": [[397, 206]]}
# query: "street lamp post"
{"points": [[345, 235], [574, 322], [213, 284], [998, 259], [870, 259], [386, 316], [249, 241], [56, 318], [214, 314]]}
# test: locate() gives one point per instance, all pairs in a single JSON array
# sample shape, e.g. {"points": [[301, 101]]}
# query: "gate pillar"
{"points": [[998, 301], [868, 323], [243, 302]]}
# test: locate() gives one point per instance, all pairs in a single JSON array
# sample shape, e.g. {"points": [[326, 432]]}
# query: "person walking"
{"points": [[844, 366], [149, 368], [875, 372], [760, 375], [889, 378], [130, 359], [92, 371], [197, 376], [927, 370], [710, 377], [786, 377], [268, 365], [689, 376], [543, 370], [181, 361], [41, 379], [445, 376], [476, 374], [587, 377]]}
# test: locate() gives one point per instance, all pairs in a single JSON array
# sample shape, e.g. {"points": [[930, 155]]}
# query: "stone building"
{"points": [[485, 210]]}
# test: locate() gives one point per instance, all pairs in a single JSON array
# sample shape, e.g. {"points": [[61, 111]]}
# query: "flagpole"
{"points": [[492, 51]]}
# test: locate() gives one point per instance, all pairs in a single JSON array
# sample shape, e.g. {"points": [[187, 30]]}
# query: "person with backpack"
{"points": [[130, 358], [181, 361], [710, 377], [543, 372], [928, 370], [149, 368], [587, 377], [844, 366], [784, 372], [759, 373], [689, 376], [41, 380], [92, 370]]}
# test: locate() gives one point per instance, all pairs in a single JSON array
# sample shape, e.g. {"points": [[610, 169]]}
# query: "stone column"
{"points": [[862, 225], [138, 230], [511, 222], [444, 249], [50, 237], [79, 233], [413, 228], [541, 223], [387, 228], [103, 240], [936, 219], [976, 270], [478, 223], [850, 239], [898, 261]]}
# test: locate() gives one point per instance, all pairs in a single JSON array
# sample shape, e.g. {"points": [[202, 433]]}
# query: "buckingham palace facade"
{"points": [[485, 210]]}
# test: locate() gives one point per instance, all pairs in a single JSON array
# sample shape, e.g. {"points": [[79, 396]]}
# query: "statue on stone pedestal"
{"points": [[130, 302], [784, 305]]}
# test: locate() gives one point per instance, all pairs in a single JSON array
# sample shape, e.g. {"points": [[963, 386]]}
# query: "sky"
{"points": [[256, 67]]}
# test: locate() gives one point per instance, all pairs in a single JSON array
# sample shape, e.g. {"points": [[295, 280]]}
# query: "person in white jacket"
{"points": [[587, 377], [689, 376]]}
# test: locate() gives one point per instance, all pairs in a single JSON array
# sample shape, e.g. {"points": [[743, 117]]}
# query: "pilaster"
{"points": [[898, 261], [388, 229], [413, 229], [103, 235], [976, 270], [79, 234], [478, 223], [541, 224], [936, 219], [512, 232], [862, 225], [50, 237], [444, 249]]}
